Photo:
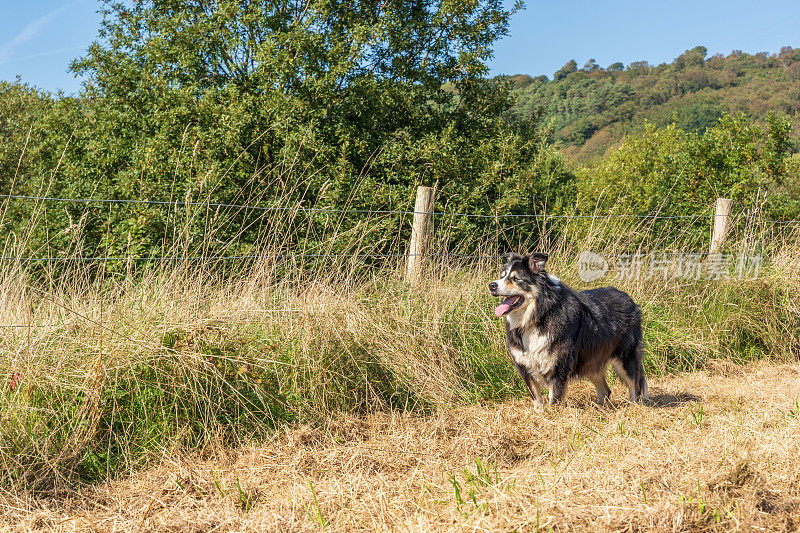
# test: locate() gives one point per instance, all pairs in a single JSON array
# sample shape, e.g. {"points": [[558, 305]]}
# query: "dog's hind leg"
{"points": [[631, 372], [644, 395], [641, 383], [599, 382]]}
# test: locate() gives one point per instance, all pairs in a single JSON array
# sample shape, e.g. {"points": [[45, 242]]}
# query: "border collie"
{"points": [[554, 333]]}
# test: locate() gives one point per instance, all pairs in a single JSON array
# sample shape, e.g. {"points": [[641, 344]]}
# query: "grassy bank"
{"points": [[715, 450], [105, 371]]}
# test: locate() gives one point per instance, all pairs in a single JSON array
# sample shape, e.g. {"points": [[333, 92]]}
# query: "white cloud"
{"points": [[32, 30]]}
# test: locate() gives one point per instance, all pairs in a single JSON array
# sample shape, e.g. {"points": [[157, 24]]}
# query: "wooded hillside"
{"points": [[592, 108]]}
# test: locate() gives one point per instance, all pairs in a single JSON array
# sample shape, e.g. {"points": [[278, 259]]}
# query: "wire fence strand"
{"points": [[379, 211], [224, 257], [543, 216]]}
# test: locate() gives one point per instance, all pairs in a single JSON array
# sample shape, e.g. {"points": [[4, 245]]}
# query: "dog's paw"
{"points": [[538, 406]]}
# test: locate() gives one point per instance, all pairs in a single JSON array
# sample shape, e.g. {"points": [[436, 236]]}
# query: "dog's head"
{"points": [[517, 285]]}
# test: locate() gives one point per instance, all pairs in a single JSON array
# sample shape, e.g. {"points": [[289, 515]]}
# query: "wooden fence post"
{"points": [[722, 213], [421, 233]]}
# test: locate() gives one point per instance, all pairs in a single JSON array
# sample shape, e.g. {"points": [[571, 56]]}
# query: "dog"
{"points": [[554, 333]]}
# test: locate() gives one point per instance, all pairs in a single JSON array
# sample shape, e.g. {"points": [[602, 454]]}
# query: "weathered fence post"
{"points": [[421, 233], [722, 213]]}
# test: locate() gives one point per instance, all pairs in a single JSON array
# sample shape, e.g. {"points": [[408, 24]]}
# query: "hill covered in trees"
{"points": [[592, 108]]}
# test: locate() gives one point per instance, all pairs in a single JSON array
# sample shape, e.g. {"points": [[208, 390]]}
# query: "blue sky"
{"points": [[548, 34], [38, 38]]}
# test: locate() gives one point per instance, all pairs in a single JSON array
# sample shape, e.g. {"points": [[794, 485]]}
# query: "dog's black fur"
{"points": [[555, 333]]}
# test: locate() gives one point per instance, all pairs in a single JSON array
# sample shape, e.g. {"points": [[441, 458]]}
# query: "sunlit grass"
{"points": [[111, 367]]}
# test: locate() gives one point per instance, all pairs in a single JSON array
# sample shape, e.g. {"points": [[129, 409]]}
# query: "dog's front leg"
{"points": [[557, 389], [536, 392], [534, 388]]}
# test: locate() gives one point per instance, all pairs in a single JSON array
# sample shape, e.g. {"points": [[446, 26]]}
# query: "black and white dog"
{"points": [[554, 333]]}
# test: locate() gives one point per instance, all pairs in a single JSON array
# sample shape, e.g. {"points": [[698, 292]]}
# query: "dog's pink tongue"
{"points": [[504, 307]]}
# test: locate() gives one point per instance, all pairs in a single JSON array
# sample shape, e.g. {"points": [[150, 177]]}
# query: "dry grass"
{"points": [[193, 397], [716, 450]]}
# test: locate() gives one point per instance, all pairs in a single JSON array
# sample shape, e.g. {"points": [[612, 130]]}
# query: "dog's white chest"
{"points": [[537, 350], [535, 353]]}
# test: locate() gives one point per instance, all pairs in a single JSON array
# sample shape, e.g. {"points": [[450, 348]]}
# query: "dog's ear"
{"points": [[537, 261], [508, 256]]}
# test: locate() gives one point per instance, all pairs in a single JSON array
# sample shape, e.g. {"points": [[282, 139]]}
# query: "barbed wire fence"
{"points": [[422, 214], [323, 210], [378, 211]]}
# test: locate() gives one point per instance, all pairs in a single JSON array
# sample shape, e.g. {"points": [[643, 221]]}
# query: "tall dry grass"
{"points": [[106, 366]]}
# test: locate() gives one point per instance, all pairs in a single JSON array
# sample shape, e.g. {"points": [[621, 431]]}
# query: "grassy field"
{"points": [[716, 450], [305, 394]]}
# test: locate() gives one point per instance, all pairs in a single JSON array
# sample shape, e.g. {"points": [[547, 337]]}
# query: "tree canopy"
{"points": [[320, 103]]}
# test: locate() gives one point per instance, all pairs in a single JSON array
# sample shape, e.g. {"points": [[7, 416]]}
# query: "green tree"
{"points": [[258, 80], [21, 107], [691, 58], [570, 67], [325, 103], [591, 66], [672, 172]]}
